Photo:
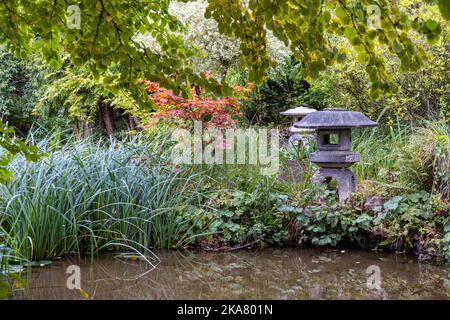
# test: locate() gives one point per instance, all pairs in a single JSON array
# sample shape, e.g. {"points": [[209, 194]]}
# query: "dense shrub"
{"points": [[18, 85], [421, 94], [284, 89]]}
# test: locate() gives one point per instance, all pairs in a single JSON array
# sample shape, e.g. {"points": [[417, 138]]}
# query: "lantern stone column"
{"points": [[297, 134], [334, 154]]}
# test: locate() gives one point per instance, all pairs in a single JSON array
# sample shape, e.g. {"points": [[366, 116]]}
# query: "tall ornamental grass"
{"points": [[87, 195], [406, 158]]}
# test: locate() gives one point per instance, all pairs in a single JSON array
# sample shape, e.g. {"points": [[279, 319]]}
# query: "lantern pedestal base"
{"points": [[345, 179]]}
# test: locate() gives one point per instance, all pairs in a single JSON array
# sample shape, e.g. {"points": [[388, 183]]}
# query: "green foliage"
{"points": [[411, 221], [10, 146], [25, 91], [86, 196], [5, 289], [444, 7], [306, 27], [284, 89], [248, 216], [72, 95], [64, 98], [105, 40], [325, 222], [18, 82], [241, 207], [406, 222], [439, 131], [416, 204], [405, 158], [10, 268], [219, 53], [421, 93], [106, 37]]}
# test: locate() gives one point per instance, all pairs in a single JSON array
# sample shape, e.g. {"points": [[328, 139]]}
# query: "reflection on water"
{"points": [[266, 274]]}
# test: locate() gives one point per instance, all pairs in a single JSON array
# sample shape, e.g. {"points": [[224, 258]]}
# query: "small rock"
{"points": [[374, 203]]}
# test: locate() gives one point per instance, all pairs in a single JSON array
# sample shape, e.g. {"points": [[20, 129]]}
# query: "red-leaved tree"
{"points": [[218, 113]]}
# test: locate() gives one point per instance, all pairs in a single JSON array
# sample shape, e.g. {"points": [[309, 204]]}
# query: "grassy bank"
{"points": [[87, 196]]}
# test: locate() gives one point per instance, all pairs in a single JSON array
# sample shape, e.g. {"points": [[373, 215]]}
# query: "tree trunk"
{"points": [[107, 118], [133, 123]]}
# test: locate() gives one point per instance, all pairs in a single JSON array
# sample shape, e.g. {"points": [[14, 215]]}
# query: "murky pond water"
{"points": [[265, 274]]}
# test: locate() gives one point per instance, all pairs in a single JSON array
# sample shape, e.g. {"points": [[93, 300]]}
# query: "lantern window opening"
{"points": [[331, 139]]}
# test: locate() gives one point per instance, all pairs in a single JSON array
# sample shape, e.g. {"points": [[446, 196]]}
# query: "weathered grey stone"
{"points": [[374, 203], [346, 181], [294, 130], [344, 140], [334, 157], [298, 134], [335, 118]]}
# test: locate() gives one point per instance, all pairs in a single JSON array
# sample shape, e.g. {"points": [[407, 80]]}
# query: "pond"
{"points": [[264, 274]]}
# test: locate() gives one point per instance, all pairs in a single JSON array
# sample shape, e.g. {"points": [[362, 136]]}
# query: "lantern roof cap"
{"points": [[335, 118], [298, 111]]}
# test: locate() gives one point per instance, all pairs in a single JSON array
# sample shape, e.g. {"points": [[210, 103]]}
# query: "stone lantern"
{"points": [[297, 134], [334, 155]]}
